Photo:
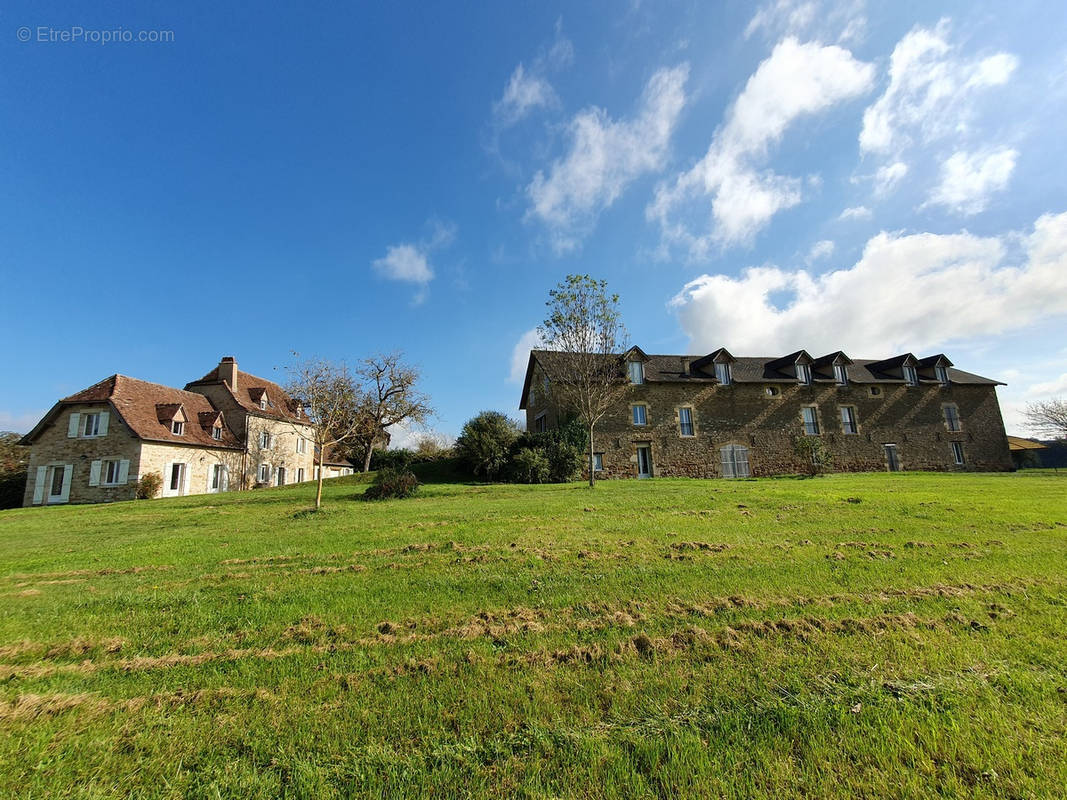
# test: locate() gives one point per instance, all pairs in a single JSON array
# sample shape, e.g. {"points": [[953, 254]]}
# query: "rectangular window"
{"points": [[952, 418], [264, 473], [90, 424], [281, 476], [957, 453], [216, 433], [841, 374], [685, 421], [264, 440], [541, 423], [811, 421], [804, 374], [598, 462], [300, 475], [637, 372], [177, 428], [644, 462], [848, 419], [57, 481], [911, 376], [942, 375], [111, 471], [722, 374], [216, 477], [640, 415], [176, 472], [301, 445]]}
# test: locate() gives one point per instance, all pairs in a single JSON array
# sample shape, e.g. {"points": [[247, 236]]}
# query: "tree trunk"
{"points": [[592, 473], [366, 458], [318, 491]]}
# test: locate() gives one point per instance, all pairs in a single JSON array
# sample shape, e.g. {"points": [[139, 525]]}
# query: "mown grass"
{"points": [[848, 636]]}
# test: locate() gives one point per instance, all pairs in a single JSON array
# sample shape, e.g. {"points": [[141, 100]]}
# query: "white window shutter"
{"points": [[72, 427], [124, 471], [165, 488], [38, 485], [224, 484], [94, 473], [185, 479], [68, 473], [104, 417]]}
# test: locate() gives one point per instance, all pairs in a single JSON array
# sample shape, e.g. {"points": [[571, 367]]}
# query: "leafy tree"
{"points": [[14, 460], [1048, 417], [389, 396], [585, 324], [814, 453], [331, 400], [531, 465], [484, 444]]}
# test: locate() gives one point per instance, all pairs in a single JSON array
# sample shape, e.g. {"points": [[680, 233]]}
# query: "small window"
{"points": [[177, 427], [911, 376], [957, 453], [952, 418], [811, 421], [941, 373], [685, 421], [598, 462], [841, 374], [263, 402], [110, 469], [264, 473], [637, 372], [772, 391], [264, 440], [640, 415], [722, 373], [301, 445], [216, 433], [216, 477], [90, 425], [804, 374], [541, 423], [848, 419]]}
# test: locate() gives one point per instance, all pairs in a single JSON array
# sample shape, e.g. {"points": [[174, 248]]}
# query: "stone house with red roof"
{"points": [[228, 430], [720, 416]]}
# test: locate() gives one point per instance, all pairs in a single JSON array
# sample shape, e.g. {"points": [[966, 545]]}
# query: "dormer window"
{"points": [[177, 427], [941, 373], [841, 374], [722, 374], [911, 375], [216, 433], [263, 402], [804, 374], [637, 372]]}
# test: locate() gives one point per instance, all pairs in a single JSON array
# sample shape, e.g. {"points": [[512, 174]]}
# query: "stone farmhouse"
{"points": [[228, 430], [721, 416]]}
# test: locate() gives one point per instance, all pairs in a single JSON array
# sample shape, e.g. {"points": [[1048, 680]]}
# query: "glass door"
{"points": [[891, 458], [644, 462]]}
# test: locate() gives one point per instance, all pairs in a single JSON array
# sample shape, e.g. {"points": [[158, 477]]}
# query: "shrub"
{"points": [[149, 485], [485, 444], [392, 483], [12, 489], [815, 455], [391, 459], [530, 465], [564, 461]]}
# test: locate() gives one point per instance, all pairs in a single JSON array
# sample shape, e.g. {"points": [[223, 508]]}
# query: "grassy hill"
{"points": [[869, 635]]}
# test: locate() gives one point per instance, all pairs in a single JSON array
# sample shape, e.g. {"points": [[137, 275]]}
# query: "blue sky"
{"points": [[874, 178]]}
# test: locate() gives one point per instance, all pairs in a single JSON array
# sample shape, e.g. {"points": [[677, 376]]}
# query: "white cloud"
{"points": [[930, 93], [22, 422], [1053, 388], [788, 16], [819, 251], [524, 93], [906, 293], [520, 354], [409, 262], [888, 176], [838, 20], [794, 81], [968, 179], [856, 212], [605, 156]]}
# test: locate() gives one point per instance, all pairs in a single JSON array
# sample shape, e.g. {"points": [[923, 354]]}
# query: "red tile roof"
{"points": [[250, 389]]}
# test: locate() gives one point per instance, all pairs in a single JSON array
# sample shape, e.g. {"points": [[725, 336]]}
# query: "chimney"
{"points": [[685, 366], [228, 371]]}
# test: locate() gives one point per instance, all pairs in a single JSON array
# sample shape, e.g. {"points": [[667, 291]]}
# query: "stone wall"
{"points": [[54, 447], [282, 452], [768, 426]]}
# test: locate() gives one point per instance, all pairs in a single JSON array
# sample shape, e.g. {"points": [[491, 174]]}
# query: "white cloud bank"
{"points": [[796, 80], [906, 293], [968, 179], [605, 156]]}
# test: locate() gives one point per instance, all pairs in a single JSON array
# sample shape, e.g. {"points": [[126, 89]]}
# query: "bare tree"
{"points": [[1048, 417], [585, 326], [389, 396], [331, 400]]}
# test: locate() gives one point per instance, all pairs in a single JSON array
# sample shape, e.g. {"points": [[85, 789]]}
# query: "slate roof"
{"points": [[760, 369], [250, 389], [147, 409]]}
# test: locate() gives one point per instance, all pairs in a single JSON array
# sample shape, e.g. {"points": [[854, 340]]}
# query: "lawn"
{"points": [[895, 635]]}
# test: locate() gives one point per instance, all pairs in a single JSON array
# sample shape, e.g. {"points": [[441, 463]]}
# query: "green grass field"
{"points": [[849, 636]]}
